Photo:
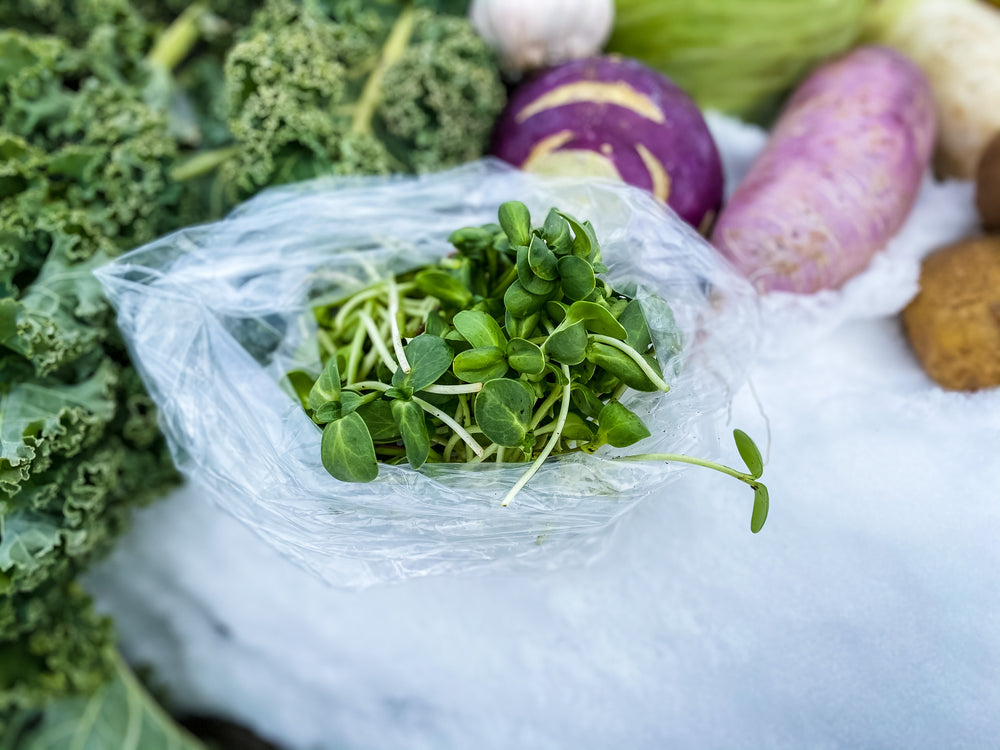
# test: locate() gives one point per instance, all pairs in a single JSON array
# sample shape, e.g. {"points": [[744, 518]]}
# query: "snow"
{"points": [[865, 614]]}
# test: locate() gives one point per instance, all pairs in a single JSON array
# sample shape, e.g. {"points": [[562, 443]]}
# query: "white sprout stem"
{"points": [[453, 390], [361, 297], [542, 410], [619, 392], [621, 346], [556, 433], [680, 458], [369, 385], [377, 342], [397, 340], [500, 455], [354, 357], [461, 431], [490, 450]]}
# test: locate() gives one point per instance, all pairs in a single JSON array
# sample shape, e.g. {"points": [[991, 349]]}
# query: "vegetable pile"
{"points": [[120, 122], [517, 349], [84, 174]]}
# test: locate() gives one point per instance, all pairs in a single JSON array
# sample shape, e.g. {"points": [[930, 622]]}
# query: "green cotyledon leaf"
{"points": [[445, 287], [480, 365], [429, 358], [619, 426], [542, 260], [525, 357], [528, 278], [347, 451], [577, 277], [327, 385], [503, 411], [567, 344], [479, 329], [750, 453], [409, 418], [515, 221], [597, 319]]}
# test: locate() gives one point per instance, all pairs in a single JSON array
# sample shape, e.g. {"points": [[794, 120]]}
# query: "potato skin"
{"points": [[837, 178], [988, 186], [953, 324]]}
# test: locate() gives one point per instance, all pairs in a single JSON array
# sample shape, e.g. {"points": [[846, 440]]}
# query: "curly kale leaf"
{"points": [[54, 645], [362, 88]]}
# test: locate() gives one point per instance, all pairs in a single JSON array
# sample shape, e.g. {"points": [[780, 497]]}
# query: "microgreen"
{"points": [[512, 349]]}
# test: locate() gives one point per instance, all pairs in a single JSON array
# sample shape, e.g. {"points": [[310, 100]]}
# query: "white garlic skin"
{"points": [[530, 34]]}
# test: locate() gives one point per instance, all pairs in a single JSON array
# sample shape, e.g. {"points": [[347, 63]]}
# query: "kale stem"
{"points": [[434, 411], [394, 47], [178, 38], [650, 373], [202, 163], [560, 423], [397, 340], [681, 458]]}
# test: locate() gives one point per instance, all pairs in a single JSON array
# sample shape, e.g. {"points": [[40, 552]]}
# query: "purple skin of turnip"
{"points": [[837, 178], [614, 117]]}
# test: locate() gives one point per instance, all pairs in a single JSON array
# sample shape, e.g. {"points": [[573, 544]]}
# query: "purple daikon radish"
{"points": [[614, 117], [837, 178]]}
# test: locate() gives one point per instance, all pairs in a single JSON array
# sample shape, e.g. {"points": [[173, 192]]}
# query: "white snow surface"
{"points": [[865, 614]]}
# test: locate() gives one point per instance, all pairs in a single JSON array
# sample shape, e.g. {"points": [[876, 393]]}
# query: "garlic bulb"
{"points": [[530, 34]]}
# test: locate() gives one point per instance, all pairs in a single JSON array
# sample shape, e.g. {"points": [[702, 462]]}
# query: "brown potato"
{"points": [[954, 322], [988, 186]]}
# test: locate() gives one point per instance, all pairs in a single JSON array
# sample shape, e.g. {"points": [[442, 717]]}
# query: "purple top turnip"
{"points": [[611, 116]]}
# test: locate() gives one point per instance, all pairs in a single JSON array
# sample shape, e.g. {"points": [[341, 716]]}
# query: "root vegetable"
{"points": [[954, 322], [957, 43], [614, 117], [838, 177]]}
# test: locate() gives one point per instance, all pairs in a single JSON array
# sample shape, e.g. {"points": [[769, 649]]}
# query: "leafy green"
{"points": [[511, 363], [503, 411], [119, 715], [347, 450], [352, 88]]}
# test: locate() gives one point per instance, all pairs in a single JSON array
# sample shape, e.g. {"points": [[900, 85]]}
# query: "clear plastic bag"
{"points": [[215, 315]]}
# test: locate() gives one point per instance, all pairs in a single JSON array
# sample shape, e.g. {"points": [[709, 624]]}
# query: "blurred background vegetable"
{"points": [[957, 43], [359, 89], [988, 186], [838, 176], [617, 118], [530, 34], [953, 323], [84, 174], [737, 56], [103, 107]]}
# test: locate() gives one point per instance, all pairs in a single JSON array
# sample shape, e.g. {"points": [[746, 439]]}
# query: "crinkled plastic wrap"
{"points": [[215, 315]]}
